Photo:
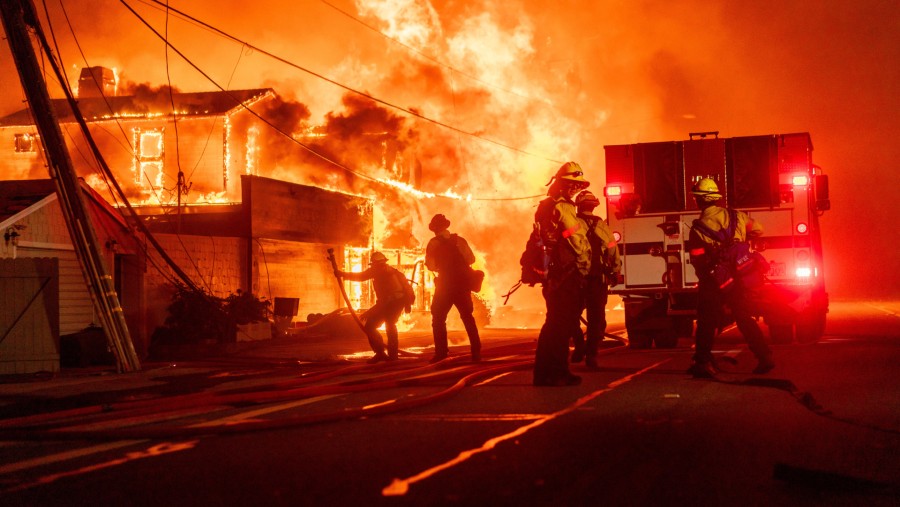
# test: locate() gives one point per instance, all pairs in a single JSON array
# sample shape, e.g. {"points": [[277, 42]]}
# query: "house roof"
{"points": [[145, 105], [19, 195]]}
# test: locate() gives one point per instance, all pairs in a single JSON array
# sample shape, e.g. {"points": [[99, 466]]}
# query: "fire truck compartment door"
{"points": [[780, 247], [641, 236]]}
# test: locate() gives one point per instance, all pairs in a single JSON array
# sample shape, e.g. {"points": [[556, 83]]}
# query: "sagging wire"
{"points": [[73, 104], [289, 136], [341, 85], [423, 55], [179, 184], [265, 121], [104, 174]]}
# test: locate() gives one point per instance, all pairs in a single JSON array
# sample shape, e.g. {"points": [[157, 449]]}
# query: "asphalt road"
{"points": [[823, 428]]}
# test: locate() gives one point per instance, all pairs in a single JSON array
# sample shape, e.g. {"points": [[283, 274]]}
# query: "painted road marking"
{"points": [[65, 456], [885, 310], [400, 487], [473, 417]]}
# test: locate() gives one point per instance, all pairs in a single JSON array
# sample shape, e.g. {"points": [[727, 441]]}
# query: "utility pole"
{"points": [[18, 16]]}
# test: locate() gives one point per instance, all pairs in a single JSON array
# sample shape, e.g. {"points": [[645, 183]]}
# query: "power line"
{"points": [[341, 85], [420, 53], [276, 128]]}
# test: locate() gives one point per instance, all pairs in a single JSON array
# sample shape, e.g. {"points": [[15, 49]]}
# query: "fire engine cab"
{"points": [[650, 210]]}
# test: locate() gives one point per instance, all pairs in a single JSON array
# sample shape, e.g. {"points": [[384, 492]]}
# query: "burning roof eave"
{"points": [[190, 105]]}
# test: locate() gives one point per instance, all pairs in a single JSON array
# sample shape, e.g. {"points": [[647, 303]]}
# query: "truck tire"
{"points": [[665, 339], [781, 334], [684, 326], [640, 340], [810, 326]]}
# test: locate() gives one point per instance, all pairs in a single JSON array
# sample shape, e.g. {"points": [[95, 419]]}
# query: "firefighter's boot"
{"points": [[764, 366]]}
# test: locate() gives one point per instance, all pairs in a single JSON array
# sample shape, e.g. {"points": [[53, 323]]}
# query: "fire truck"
{"points": [[650, 209]]}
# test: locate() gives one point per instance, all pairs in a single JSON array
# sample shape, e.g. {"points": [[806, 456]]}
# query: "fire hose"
{"points": [[55, 429], [344, 291]]}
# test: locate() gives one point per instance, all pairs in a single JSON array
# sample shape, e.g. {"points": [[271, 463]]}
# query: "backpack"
{"points": [[732, 262], [409, 295], [535, 260], [453, 264]]}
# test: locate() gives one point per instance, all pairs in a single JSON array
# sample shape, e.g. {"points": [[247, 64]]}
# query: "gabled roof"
{"points": [[18, 195], [22, 197], [146, 105]]}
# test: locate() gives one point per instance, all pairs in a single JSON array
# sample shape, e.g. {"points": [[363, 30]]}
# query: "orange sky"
{"points": [[555, 81]]}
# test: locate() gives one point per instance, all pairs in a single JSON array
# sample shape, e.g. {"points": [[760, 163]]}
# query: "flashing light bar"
{"points": [[800, 180], [802, 228], [612, 191], [803, 272]]}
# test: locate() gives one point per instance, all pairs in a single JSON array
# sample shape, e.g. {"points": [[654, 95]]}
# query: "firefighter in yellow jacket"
{"points": [[570, 262], [711, 297], [604, 272]]}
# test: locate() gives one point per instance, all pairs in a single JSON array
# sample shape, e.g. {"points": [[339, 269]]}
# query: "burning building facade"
{"points": [[231, 187]]}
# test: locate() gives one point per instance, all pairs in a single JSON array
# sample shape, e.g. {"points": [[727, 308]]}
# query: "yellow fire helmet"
{"points": [[570, 171], [586, 201], [707, 190]]}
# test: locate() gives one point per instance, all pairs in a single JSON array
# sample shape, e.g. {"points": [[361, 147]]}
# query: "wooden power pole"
{"points": [[18, 16]]}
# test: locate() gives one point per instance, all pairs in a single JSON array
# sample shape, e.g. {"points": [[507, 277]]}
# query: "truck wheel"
{"points": [[781, 333], [810, 327], [639, 340], [666, 339], [684, 326]]}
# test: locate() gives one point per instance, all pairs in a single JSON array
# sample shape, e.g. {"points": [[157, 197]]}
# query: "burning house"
{"points": [[191, 165]]}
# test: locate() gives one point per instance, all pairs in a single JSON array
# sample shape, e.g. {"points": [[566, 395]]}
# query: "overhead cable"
{"points": [[289, 136], [345, 87]]}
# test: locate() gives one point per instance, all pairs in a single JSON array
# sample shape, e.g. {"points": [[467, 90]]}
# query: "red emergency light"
{"points": [[802, 228], [803, 272], [617, 236], [612, 191], [800, 180]]}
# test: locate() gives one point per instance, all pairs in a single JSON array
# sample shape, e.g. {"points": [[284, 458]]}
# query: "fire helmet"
{"points": [[586, 201], [378, 258], [570, 172], [438, 223], [706, 190]]}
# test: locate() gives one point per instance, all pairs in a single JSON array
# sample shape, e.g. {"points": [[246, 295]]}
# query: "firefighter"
{"points": [[604, 272], [570, 252], [450, 256], [391, 299], [711, 297]]}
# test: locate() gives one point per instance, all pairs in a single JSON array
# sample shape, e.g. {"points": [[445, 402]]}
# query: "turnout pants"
{"points": [[711, 313], [385, 313], [445, 297], [564, 304]]}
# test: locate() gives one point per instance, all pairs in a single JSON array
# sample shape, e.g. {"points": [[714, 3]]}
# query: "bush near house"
{"points": [[197, 317]]}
